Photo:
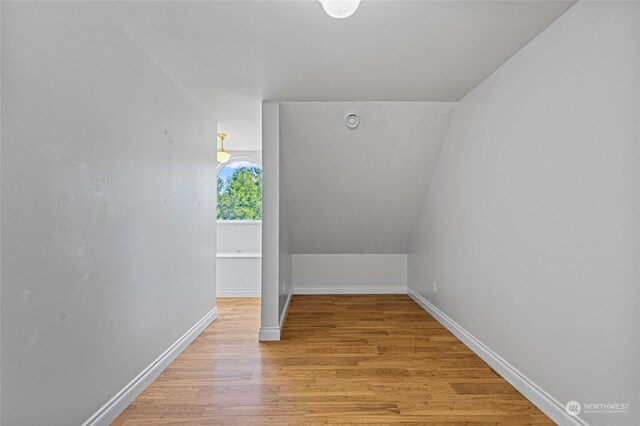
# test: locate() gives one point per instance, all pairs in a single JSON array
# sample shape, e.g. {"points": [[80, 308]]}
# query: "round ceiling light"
{"points": [[340, 8], [352, 120]]}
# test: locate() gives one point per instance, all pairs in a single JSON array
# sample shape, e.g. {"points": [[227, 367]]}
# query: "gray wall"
{"points": [[239, 237], [530, 224], [349, 273], [285, 266], [276, 252], [348, 197], [357, 190], [108, 214], [271, 235]]}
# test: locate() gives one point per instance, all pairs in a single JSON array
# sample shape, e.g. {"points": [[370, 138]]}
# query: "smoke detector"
{"points": [[352, 120]]}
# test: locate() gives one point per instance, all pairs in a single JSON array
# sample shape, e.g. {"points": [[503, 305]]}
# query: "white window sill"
{"points": [[239, 222], [239, 254]]}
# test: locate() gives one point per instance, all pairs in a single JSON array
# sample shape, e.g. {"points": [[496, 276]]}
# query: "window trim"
{"points": [[221, 166], [238, 222], [235, 158]]}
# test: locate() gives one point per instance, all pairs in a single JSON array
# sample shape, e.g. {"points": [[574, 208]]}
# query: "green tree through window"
{"points": [[240, 192]]}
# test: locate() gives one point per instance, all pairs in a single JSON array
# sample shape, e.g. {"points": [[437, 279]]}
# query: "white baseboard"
{"points": [[238, 293], [393, 289], [116, 405], [538, 396], [274, 333], [285, 311], [269, 334]]}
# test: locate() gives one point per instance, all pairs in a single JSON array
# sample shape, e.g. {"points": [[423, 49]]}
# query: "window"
{"points": [[240, 191]]}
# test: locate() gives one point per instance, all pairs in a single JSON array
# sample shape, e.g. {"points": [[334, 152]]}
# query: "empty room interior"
{"points": [[320, 212]]}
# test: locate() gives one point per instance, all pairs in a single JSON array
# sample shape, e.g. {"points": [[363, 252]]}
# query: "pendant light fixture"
{"points": [[222, 156], [340, 8]]}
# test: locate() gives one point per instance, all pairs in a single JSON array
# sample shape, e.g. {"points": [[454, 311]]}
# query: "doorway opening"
{"points": [[239, 216]]}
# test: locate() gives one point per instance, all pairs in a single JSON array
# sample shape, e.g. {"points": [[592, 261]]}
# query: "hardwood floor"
{"points": [[358, 359]]}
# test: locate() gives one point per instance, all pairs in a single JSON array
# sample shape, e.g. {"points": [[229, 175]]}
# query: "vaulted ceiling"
{"points": [[230, 55], [347, 191], [357, 191]]}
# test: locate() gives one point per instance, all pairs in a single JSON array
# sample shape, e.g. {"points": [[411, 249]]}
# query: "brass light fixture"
{"points": [[222, 156]]}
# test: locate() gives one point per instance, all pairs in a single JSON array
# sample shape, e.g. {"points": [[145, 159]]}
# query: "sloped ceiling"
{"points": [[357, 191], [348, 191], [230, 55]]}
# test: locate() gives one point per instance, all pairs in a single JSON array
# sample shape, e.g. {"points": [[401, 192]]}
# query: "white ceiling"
{"points": [[230, 55], [357, 191]]}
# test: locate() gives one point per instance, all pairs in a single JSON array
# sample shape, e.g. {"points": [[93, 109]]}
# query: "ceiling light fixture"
{"points": [[340, 8], [222, 156]]}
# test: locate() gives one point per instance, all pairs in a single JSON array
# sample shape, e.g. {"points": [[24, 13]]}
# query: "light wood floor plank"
{"points": [[346, 359]]}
